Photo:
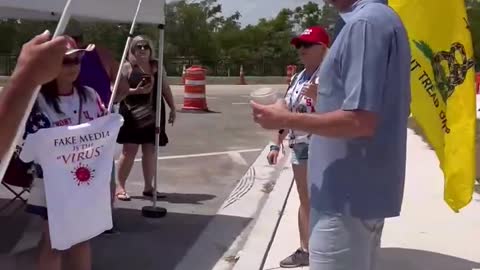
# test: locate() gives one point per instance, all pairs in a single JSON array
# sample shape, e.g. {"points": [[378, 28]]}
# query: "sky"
{"points": [[252, 10]]}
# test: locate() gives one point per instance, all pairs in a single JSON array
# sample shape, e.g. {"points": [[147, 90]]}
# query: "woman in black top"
{"points": [[138, 110]]}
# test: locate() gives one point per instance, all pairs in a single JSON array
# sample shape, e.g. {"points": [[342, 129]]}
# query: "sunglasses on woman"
{"points": [[305, 45], [72, 61], [142, 47]]}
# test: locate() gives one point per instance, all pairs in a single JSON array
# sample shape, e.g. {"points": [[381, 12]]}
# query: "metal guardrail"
{"points": [[174, 66], [213, 80], [7, 64]]}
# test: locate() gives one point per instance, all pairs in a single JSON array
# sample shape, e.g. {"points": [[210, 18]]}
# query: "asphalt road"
{"points": [[207, 155]]}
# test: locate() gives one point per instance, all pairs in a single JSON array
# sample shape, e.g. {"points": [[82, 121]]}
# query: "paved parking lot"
{"points": [[207, 155]]}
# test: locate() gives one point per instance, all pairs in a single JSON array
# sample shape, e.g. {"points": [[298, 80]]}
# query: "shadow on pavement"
{"points": [[154, 243], [410, 259], [146, 244], [181, 198], [413, 125], [13, 222]]}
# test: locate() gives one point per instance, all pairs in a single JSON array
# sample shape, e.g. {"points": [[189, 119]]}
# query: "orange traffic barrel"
{"points": [[194, 98]]}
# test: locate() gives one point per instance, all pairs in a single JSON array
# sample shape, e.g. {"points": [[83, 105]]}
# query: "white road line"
{"points": [[237, 158], [207, 154]]}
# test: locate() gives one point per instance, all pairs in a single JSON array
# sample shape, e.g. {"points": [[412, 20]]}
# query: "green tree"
{"points": [[311, 14], [8, 29], [268, 44], [190, 29], [329, 18], [197, 32], [473, 10], [307, 15]]}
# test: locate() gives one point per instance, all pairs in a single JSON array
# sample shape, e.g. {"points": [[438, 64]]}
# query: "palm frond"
{"points": [[425, 49]]}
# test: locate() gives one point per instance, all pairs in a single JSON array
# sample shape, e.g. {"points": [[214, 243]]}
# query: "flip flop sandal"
{"points": [[150, 194], [123, 196]]}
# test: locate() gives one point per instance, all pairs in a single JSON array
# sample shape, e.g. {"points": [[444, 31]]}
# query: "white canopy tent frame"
{"points": [[121, 11], [146, 11]]}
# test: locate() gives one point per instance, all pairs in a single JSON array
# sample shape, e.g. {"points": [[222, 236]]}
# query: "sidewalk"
{"points": [[428, 235]]}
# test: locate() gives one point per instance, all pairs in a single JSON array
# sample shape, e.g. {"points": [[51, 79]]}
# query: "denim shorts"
{"points": [[299, 153]]}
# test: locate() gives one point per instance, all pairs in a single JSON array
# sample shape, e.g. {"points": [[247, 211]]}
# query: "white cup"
{"points": [[264, 96]]}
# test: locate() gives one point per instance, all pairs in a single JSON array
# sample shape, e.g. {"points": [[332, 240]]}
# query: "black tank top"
{"points": [[142, 99], [135, 78]]}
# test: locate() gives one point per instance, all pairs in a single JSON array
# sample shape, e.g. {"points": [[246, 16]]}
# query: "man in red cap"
{"points": [[312, 46]]}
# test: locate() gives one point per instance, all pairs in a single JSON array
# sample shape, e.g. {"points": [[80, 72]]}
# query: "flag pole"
{"points": [[5, 160], [124, 57], [154, 211]]}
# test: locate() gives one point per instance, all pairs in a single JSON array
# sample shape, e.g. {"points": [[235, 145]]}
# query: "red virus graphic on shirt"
{"points": [[83, 174]]}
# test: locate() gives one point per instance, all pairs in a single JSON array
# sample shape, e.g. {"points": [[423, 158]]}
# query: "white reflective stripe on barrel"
{"points": [[198, 72], [188, 95], [195, 82]]}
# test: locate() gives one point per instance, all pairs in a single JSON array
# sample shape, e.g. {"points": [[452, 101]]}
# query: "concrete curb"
{"points": [[220, 244], [257, 247]]}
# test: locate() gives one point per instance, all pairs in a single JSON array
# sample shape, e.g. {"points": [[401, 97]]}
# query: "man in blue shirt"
{"points": [[358, 153]]}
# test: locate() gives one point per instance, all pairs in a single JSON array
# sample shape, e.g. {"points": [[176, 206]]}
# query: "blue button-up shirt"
{"points": [[367, 69]]}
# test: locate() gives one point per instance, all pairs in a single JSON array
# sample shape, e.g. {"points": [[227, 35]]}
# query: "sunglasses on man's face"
{"points": [[142, 47], [305, 45], [72, 61]]}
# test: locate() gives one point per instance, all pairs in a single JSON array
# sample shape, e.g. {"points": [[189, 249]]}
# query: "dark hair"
{"points": [[50, 92], [78, 39]]}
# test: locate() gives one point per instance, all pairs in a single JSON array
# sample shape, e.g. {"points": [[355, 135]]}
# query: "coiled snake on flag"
{"points": [[457, 71]]}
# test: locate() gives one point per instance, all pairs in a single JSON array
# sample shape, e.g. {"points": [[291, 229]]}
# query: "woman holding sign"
{"points": [[61, 102], [301, 96]]}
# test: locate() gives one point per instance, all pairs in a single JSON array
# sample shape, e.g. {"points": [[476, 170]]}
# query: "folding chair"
{"points": [[18, 195], [18, 175]]}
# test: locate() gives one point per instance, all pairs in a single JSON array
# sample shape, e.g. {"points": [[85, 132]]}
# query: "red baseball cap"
{"points": [[314, 34], [72, 47]]}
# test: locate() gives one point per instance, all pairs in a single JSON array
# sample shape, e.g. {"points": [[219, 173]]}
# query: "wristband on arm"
{"points": [[274, 148]]}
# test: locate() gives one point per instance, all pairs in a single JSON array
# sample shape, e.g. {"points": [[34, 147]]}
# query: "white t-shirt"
{"points": [[44, 114], [70, 105], [299, 103], [76, 162]]}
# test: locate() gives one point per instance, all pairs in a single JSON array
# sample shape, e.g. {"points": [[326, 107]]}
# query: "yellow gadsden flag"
{"points": [[443, 95]]}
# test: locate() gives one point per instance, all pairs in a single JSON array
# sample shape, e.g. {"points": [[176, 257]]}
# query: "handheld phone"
{"points": [[146, 80]]}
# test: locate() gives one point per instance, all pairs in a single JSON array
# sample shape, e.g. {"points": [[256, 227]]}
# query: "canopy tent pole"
{"points": [[124, 57], [154, 211], [5, 160]]}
